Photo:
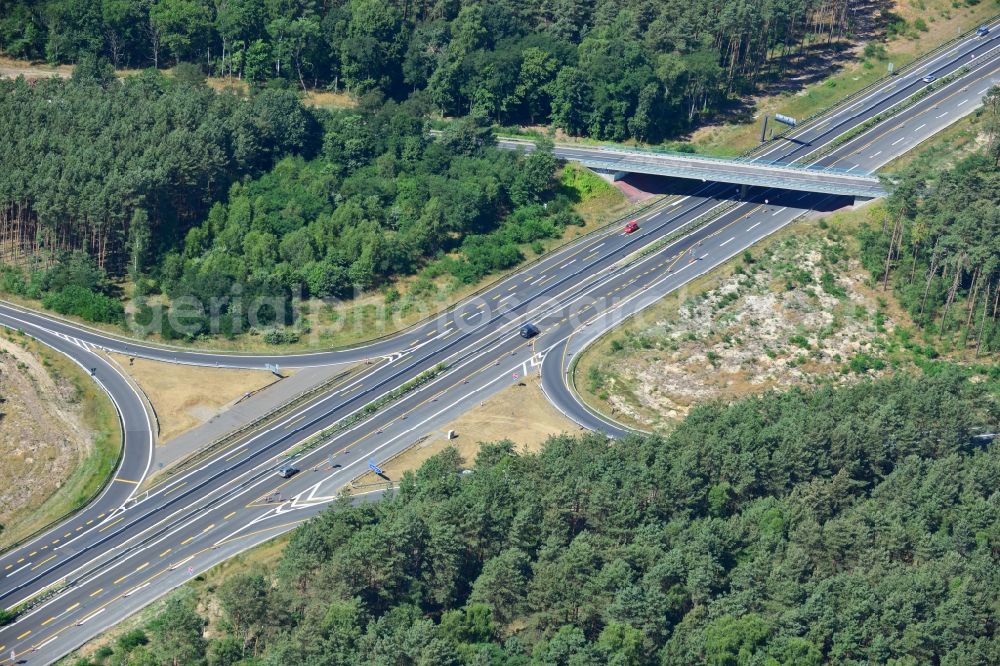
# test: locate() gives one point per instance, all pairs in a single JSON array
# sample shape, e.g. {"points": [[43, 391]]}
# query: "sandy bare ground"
{"points": [[185, 396], [520, 413], [42, 435], [11, 68], [744, 329]]}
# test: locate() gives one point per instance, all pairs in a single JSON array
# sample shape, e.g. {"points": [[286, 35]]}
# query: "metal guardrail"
{"points": [[698, 157], [861, 92], [765, 177]]}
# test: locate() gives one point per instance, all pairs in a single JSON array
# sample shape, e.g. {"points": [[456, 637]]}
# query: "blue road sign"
{"points": [[373, 467]]}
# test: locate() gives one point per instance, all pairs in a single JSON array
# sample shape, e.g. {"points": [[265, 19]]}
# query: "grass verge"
{"points": [[924, 25], [95, 468]]}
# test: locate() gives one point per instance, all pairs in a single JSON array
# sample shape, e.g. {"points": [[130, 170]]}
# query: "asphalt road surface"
{"points": [[125, 550]]}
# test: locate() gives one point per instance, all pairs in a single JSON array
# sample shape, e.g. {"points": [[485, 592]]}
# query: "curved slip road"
{"points": [[700, 253], [106, 570]]}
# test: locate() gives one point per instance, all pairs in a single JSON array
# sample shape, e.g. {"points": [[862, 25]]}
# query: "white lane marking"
{"points": [[852, 106], [756, 225], [897, 141], [775, 212], [921, 127], [823, 124], [983, 91], [187, 559], [723, 243], [18, 569], [852, 168], [473, 315], [91, 616], [136, 589], [943, 114], [803, 196], [567, 264], [877, 154], [594, 247], [963, 101]]}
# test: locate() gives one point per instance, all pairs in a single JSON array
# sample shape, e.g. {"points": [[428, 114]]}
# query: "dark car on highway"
{"points": [[529, 331]]}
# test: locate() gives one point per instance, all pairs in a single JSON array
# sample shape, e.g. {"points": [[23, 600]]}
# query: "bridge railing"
{"points": [[861, 92], [695, 157]]}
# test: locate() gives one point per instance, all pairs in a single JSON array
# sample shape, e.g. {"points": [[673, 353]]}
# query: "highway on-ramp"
{"points": [[95, 573]]}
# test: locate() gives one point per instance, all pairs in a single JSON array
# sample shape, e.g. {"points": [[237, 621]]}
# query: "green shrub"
{"points": [[82, 302], [800, 341], [862, 363], [281, 336]]}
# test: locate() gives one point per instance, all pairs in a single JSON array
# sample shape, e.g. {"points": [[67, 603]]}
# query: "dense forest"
{"points": [[112, 167], [195, 193], [612, 69], [855, 525], [938, 246]]}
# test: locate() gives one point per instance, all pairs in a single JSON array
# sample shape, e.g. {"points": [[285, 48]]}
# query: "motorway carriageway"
{"points": [[205, 515], [723, 239]]}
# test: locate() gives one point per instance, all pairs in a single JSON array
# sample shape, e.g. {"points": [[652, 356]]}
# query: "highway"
{"points": [[119, 554], [740, 172]]}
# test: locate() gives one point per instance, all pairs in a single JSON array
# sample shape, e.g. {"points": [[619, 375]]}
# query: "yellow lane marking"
{"points": [[164, 553], [47, 559], [96, 592], [27, 633], [591, 256], [118, 580], [187, 541], [110, 525], [73, 606], [239, 453], [19, 561], [51, 619], [229, 515], [208, 528], [175, 489], [142, 566], [134, 483], [33, 553], [430, 333], [512, 287], [266, 529], [914, 118], [348, 446]]}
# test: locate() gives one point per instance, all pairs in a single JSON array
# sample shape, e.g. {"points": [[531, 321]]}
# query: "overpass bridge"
{"points": [[724, 170]]}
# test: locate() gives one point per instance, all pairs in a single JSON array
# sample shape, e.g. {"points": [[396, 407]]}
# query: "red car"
{"points": [[631, 226]]}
